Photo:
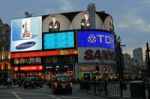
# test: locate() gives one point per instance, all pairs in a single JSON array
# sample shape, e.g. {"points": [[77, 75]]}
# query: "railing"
{"points": [[101, 87], [114, 88]]}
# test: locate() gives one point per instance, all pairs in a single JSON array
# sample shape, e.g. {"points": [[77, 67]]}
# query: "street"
{"points": [[42, 93]]}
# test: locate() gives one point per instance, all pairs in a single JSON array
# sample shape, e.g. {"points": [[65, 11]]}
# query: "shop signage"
{"points": [[28, 68], [99, 55], [91, 38]]}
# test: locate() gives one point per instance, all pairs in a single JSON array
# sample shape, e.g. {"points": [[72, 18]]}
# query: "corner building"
{"points": [[44, 46]]}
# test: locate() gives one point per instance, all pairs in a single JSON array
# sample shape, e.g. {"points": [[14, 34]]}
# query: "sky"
{"points": [[131, 18]]}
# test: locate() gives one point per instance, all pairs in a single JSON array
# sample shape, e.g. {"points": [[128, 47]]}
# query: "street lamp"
{"points": [[105, 73], [120, 62], [148, 59]]}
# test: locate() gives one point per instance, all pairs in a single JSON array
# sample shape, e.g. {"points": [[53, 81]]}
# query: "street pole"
{"points": [[119, 61], [148, 68], [148, 59]]}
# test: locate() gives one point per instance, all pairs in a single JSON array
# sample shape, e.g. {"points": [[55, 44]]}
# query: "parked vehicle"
{"points": [[32, 82], [61, 83]]}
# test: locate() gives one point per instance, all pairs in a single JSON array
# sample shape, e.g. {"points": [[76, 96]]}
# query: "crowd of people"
{"points": [[8, 82]]}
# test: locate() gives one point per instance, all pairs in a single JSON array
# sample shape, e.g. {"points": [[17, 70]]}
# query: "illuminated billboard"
{"points": [[95, 38], [75, 20], [99, 55], [57, 22], [59, 40], [26, 34]]}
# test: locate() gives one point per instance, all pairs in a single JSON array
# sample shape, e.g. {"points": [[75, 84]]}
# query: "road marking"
{"points": [[70, 97], [53, 96], [6, 91], [16, 95]]}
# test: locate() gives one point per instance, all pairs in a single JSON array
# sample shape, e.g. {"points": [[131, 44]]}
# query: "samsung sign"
{"points": [[26, 34], [93, 38], [25, 45]]}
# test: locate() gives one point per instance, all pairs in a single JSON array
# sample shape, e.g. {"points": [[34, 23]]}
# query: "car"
{"points": [[32, 82], [61, 83]]}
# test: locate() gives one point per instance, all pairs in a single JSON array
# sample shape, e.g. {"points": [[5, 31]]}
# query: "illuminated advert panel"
{"points": [[59, 40], [95, 54], [91, 38], [26, 34]]}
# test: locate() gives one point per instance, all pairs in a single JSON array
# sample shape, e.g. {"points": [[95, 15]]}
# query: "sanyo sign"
{"points": [[91, 38]]}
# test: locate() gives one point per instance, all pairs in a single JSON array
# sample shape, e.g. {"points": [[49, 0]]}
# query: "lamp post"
{"points": [[120, 62], [105, 73], [148, 59]]}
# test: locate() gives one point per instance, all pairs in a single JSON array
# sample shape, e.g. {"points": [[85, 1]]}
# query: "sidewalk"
{"points": [[103, 95], [107, 97], [5, 87]]}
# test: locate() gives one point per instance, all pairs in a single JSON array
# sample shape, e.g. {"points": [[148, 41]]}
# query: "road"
{"points": [[42, 93]]}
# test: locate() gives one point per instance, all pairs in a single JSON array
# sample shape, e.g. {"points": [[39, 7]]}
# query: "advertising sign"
{"points": [[55, 22], [91, 38], [98, 55], [26, 34], [59, 40], [75, 20]]}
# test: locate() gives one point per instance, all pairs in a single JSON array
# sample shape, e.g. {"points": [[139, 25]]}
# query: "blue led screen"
{"points": [[59, 40], [91, 38]]}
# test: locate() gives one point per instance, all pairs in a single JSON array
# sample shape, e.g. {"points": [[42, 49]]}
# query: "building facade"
{"points": [[70, 45], [138, 54], [5, 66], [127, 63]]}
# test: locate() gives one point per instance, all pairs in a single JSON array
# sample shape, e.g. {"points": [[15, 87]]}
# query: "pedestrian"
{"points": [[88, 78], [94, 77], [8, 82]]}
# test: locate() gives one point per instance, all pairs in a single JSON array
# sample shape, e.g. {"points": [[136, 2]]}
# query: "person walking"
{"points": [[9, 81]]}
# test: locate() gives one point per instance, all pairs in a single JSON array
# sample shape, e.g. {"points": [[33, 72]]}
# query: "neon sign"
{"points": [[91, 38], [31, 68]]}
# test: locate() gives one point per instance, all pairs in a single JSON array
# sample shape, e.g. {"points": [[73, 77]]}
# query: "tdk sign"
{"points": [[91, 38], [25, 45]]}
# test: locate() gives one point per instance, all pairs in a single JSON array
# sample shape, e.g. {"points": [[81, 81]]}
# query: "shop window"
{"points": [[7, 56], [16, 61], [54, 60], [71, 59], [65, 59]]}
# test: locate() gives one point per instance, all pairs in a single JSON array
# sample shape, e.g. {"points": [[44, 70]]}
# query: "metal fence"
{"points": [[114, 88], [101, 87]]}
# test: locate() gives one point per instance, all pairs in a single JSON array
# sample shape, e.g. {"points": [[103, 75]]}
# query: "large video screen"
{"points": [[91, 38], [75, 20], [26, 34], [59, 40]]}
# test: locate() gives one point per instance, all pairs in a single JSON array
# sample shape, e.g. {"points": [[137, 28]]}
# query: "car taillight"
{"points": [[55, 85]]}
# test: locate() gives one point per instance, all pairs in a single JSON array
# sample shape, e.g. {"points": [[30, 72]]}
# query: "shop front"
{"points": [[59, 65], [27, 66], [25, 71], [5, 69], [96, 51]]}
